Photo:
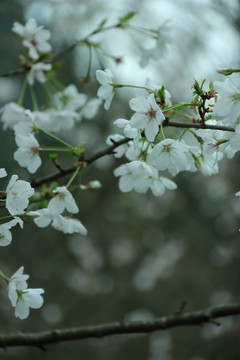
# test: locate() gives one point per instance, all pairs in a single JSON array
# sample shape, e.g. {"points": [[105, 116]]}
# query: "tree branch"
{"points": [[110, 150], [40, 339]]}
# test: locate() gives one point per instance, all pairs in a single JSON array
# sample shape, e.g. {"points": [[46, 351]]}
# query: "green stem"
{"points": [[6, 217], [53, 149], [34, 99], [4, 277], [73, 176], [131, 86], [23, 91], [55, 137]]}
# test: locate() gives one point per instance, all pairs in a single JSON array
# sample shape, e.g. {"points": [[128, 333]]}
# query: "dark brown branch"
{"points": [[14, 72], [107, 151], [197, 126], [40, 339]]}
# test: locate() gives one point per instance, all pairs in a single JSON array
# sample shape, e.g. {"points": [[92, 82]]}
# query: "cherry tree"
{"points": [[152, 146]]}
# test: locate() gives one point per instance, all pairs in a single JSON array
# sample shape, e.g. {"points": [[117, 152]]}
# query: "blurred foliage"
{"points": [[143, 256]]}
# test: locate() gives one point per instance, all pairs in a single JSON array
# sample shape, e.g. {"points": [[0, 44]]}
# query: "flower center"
{"points": [[235, 97], [33, 42], [151, 113]]}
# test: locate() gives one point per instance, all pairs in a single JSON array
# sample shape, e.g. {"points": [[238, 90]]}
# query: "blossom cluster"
{"points": [[153, 152], [150, 149]]}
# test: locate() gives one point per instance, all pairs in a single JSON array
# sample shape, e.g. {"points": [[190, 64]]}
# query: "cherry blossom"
{"points": [[22, 297], [159, 50], [227, 107], [12, 114], [35, 37], [62, 200], [27, 154], [29, 298], [159, 185], [169, 155], [68, 225], [5, 234], [106, 91], [17, 194], [148, 115], [38, 72], [18, 281], [137, 175]]}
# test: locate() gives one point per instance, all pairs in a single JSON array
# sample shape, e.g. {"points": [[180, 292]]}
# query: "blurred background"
{"points": [[143, 256]]}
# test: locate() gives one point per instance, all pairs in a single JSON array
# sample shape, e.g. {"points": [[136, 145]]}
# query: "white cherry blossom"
{"points": [[68, 225], [17, 194], [148, 115], [21, 297], [69, 99], [159, 50], [29, 298], [5, 233], [227, 107], [27, 154], [12, 114], [159, 185], [106, 91], [137, 175], [18, 281], [169, 155], [34, 37], [63, 200], [38, 72], [235, 140]]}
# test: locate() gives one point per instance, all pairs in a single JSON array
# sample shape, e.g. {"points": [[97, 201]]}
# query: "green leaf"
{"points": [[124, 19], [102, 23]]}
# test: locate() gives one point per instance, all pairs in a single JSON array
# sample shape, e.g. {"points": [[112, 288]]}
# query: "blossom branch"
{"points": [[25, 68], [40, 339], [110, 150]]}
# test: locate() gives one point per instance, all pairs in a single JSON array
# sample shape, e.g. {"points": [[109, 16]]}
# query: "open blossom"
{"points": [[235, 140], [159, 185], [18, 281], [59, 222], [169, 155], [63, 200], [148, 115], [5, 233], [29, 298], [137, 175], [12, 114], [38, 72], [17, 194], [159, 50], [34, 37], [27, 154], [68, 225], [69, 99], [227, 107], [106, 91], [22, 297]]}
